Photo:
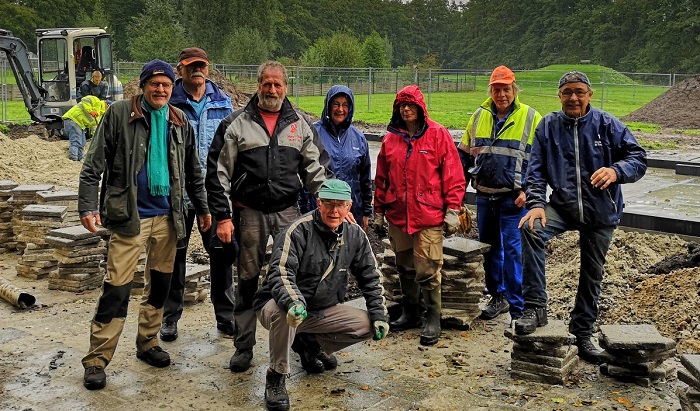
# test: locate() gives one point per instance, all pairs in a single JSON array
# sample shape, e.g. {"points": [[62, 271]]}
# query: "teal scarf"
{"points": [[157, 161]]}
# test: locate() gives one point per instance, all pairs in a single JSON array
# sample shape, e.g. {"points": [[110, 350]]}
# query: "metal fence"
{"points": [[315, 81]]}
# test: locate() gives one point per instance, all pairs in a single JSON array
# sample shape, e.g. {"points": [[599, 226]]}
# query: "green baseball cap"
{"points": [[334, 189]]}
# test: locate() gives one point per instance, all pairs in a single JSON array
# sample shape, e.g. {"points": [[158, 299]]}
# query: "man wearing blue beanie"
{"points": [[144, 156]]}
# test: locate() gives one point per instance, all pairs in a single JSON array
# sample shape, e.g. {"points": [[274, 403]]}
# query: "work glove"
{"points": [[465, 220], [378, 225], [295, 315], [379, 330], [94, 113], [451, 222]]}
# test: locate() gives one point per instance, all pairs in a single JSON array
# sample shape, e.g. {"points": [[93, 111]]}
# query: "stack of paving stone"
{"points": [[689, 397], [63, 198], [635, 353], [22, 196], [37, 260], [462, 280], [547, 355], [196, 283], [7, 241], [139, 281], [80, 254]]}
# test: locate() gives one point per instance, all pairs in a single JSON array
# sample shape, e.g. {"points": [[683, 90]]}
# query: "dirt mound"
{"points": [[238, 99], [678, 107], [690, 259]]}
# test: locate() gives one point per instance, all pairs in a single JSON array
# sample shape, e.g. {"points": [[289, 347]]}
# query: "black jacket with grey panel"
{"points": [[265, 172], [117, 154], [311, 263]]}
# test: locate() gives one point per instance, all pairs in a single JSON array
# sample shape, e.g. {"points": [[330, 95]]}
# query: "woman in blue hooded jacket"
{"points": [[348, 149]]}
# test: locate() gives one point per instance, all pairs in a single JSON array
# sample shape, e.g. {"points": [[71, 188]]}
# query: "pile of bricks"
{"points": [[37, 260], [80, 254], [66, 198], [22, 196], [7, 241], [689, 397], [547, 355], [462, 280], [635, 353], [196, 283]]}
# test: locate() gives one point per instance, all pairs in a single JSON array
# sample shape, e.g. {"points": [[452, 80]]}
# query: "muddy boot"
{"points": [[308, 349], [431, 329], [410, 316]]}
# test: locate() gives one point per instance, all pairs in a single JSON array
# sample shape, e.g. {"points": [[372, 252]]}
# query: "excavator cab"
{"points": [[66, 56]]}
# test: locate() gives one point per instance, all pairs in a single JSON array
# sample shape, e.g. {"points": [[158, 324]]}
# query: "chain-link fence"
{"points": [[315, 81]]}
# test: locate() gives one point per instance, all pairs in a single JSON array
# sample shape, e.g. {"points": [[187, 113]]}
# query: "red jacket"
{"points": [[414, 189]]}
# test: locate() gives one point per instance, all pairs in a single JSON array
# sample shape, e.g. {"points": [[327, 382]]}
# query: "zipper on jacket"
{"points": [[578, 172], [239, 181], [607, 191]]}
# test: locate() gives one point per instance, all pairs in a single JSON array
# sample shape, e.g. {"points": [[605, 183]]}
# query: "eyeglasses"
{"points": [[569, 93], [338, 105], [158, 84], [333, 205]]}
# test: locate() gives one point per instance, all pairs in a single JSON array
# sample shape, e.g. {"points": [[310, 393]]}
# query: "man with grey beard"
{"points": [[205, 105], [261, 157]]}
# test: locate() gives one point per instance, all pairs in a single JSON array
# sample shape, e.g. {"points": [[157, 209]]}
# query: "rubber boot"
{"points": [[431, 330], [410, 315]]}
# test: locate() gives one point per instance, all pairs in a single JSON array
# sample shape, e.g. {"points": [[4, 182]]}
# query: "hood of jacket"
{"points": [[179, 96], [408, 94], [326, 120]]}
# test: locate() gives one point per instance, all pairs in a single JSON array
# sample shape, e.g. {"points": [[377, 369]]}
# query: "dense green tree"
{"points": [[148, 41], [339, 50], [119, 14], [20, 20], [376, 51], [246, 46]]}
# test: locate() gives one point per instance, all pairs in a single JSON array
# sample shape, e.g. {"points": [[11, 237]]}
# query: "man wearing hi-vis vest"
{"points": [[84, 115], [495, 150]]}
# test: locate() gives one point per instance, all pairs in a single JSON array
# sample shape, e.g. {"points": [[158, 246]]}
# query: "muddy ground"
{"points": [[649, 279]]}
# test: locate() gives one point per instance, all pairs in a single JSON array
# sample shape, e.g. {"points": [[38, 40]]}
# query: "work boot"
{"points": [[276, 397], [308, 354], [531, 319], [168, 331], [431, 329], [241, 360], [226, 328], [587, 351], [496, 306], [329, 361], [154, 356], [94, 378], [410, 315]]}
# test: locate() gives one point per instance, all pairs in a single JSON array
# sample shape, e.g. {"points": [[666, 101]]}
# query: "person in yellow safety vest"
{"points": [[495, 152], [84, 115]]}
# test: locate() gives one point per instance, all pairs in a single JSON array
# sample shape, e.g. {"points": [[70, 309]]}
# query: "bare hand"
{"points": [[520, 200], [350, 218], [90, 221], [603, 177], [365, 222], [225, 230], [532, 215], [204, 222]]}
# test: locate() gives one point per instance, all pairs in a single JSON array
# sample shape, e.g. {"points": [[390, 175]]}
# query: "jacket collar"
{"points": [[174, 115]]}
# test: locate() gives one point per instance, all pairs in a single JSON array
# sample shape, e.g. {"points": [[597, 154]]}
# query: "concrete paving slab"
{"points": [[556, 331], [634, 337], [691, 362]]}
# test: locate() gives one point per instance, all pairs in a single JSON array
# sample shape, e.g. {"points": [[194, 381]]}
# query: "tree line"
{"points": [[627, 35]]}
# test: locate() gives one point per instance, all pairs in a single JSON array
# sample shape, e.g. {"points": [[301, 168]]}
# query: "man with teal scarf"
{"points": [[144, 157]]}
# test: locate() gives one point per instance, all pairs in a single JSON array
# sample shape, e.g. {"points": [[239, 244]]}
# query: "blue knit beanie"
{"points": [[154, 68]]}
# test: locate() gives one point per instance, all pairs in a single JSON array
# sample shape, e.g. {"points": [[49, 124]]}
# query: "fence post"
{"points": [[296, 89], [430, 85], [602, 94], [369, 92]]}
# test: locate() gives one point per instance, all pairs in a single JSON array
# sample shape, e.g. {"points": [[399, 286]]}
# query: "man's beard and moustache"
{"points": [[270, 102]]}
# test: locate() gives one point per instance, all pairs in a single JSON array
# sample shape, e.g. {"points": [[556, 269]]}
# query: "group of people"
{"points": [[179, 152], [84, 117]]}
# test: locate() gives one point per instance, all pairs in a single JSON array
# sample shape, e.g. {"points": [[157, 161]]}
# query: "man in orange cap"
{"points": [[494, 151]]}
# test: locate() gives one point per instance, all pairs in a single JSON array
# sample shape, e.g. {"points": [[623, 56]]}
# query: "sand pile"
{"points": [[678, 107]]}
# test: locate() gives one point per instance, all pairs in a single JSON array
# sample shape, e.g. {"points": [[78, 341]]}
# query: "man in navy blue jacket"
{"points": [[205, 105], [583, 154]]}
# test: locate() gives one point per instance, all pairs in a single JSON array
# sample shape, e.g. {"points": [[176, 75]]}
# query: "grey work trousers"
{"points": [[335, 328]]}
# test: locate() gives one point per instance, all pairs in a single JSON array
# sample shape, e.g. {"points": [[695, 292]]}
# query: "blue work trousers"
{"points": [[497, 219], [594, 243], [76, 137]]}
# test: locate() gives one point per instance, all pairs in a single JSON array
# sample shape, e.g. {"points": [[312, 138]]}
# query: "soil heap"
{"points": [[678, 107]]}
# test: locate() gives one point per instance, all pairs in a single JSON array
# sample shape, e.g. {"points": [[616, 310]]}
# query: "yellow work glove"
{"points": [[379, 330], [451, 222], [295, 315]]}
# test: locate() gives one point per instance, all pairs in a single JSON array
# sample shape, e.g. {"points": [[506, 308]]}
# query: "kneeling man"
{"points": [[306, 284]]}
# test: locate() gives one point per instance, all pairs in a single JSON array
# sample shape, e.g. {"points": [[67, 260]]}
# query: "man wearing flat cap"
{"points": [[306, 283], [584, 154], [143, 157], [205, 105]]}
